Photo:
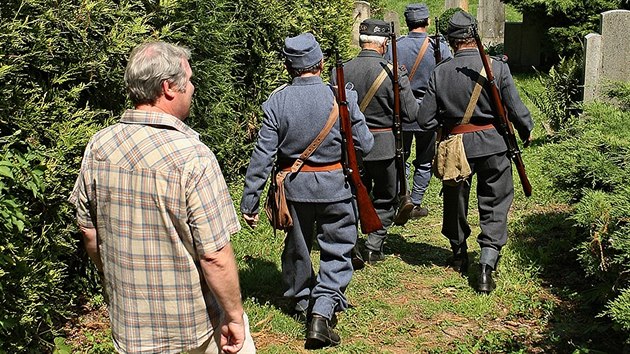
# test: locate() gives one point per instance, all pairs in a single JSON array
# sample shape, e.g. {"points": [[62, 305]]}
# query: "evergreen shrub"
{"points": [[62, 63], [591, 162]]}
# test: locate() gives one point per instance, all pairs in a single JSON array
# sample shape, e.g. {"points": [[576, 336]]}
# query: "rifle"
{"points": [[405, 205], [370, 221], [436, 42], [514, 153]]}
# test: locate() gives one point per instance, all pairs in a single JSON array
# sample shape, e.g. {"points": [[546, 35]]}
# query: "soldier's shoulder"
{"points": [[278, 89], [501, 58], [444, 61], [401, 38]]}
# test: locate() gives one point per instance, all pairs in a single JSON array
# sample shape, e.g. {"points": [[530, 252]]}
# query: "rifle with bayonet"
{"points": [[505, 125], [404, 205], [437, 53], [370, 221]]}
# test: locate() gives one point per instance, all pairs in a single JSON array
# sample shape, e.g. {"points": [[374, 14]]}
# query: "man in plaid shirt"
{"points": [[156, 218]]}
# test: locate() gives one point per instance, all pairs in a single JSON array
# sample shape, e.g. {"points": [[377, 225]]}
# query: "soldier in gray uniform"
{"points": [[379, 168], [320, 202], [450, 90], [416, 54]]}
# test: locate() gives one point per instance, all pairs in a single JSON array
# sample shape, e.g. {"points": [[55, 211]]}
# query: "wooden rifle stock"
{"points": [[404, 199], [437, 53], [505, 124], [400, 158], [370, 221]]}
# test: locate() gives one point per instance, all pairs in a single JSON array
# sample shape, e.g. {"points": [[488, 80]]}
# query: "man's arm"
{"points": [[220, 271], [90, 242]]}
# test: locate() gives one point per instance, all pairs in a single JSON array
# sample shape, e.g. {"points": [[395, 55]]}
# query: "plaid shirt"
{"points": [[157, 198]]}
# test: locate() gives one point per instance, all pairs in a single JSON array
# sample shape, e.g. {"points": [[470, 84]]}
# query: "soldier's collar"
{"points": [[309, 80]]}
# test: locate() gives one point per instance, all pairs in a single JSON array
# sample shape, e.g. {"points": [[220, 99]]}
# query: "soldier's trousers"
{"points": [[379, 178], [495, 191], [334, 228], [425, 149]]}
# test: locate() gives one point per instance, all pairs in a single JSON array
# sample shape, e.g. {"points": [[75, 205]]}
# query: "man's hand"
{"points": [[232, 336], [251, 219]]}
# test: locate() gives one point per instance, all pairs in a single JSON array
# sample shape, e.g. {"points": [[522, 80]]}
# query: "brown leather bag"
{"points": [[276, 206]]}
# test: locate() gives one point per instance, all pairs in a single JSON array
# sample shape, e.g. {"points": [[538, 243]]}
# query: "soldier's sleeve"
{"points": [[427, 113], [408, 103], [516, 110], [261, 162], [363, 138]]}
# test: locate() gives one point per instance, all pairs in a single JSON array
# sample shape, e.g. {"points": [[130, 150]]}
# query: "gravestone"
{"points": [[360, 13], [491, 19], [392, 16], [592, 65], [449, 4], [606, 55]]}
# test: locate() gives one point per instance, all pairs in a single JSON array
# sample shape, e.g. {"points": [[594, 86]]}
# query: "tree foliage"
{"points": [[62, 64], [572, 19]]}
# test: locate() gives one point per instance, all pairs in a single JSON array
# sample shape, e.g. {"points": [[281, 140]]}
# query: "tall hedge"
{"points": [[61, 63]]}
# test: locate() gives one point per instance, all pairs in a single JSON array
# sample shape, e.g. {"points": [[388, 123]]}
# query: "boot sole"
{"points": [[316, 340]]}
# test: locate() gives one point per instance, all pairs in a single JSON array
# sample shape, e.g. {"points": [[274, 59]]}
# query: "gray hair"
{"points": [[378, 40], [149, 65]]}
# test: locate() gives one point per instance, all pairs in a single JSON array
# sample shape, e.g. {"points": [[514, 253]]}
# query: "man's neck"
{"points": [[147, 107], [419, 30], [375, 47], [466, 46]]}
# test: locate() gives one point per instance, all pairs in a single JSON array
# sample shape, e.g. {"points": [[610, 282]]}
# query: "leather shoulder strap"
{"points": [[375, 86], [475, 95], [332, 118], [423, 49]]}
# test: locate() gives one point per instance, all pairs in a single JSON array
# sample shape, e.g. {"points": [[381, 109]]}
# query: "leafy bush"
{"points": [[571, 19], [62, 63], [559, 102], [591, 162]]}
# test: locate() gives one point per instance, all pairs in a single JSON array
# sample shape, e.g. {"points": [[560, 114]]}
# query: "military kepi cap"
{"points": [[416, 12], [460, 26], [302, 51], [374, 27]]}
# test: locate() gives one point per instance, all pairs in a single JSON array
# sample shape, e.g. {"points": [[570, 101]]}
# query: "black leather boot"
{"points": [[357, 260], [460, 262], [372, 257], [320, 334], [485, 283]]}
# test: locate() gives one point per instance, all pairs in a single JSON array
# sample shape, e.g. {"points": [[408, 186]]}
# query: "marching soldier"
{"points": [[371, 77], [320, 199], [416, 52], [451, 91]]}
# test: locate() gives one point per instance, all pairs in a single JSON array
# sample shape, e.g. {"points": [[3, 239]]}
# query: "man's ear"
{"points": [[167, 90]]}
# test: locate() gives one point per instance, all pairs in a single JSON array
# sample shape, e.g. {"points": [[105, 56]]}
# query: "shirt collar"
{"points": [[416, 34], [370, 53], [308, 80], [157, 119], [467, 52]]}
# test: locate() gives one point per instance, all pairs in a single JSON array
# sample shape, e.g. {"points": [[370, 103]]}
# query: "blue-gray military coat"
{"points": [[294, 116], [450, 88], [408, 48], [362, 71]]}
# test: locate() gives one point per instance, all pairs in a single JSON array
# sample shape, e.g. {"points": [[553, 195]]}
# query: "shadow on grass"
{"points": [[416, 253], [261, 279], [547, 240]]}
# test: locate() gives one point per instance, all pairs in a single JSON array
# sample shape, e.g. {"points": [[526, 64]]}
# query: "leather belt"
{"points": [[378, 130], [316, 167], [469, 128]]}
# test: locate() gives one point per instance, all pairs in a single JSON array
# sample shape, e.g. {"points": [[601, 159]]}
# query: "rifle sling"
{"points": [[423, 50], [375, 86]]}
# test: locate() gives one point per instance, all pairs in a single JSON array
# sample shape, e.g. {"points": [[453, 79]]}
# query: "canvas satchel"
{"points": [[450, 163], [276, 206]]}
